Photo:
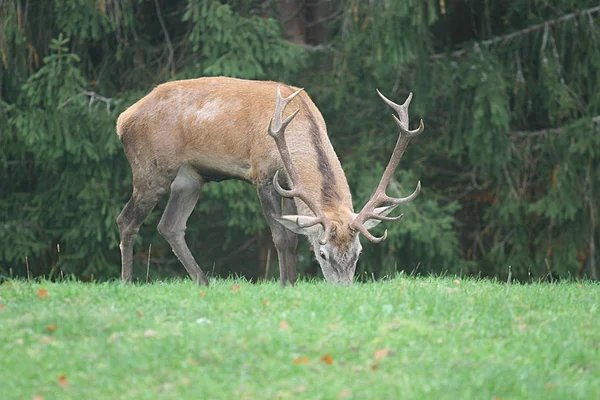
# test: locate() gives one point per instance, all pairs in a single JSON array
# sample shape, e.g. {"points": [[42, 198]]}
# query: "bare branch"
{"points": [[170, 64], [94, 97], [522, 32], [548, 131]]}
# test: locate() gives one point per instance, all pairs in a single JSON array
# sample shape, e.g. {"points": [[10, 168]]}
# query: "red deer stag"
{"points": [[187, 133]]}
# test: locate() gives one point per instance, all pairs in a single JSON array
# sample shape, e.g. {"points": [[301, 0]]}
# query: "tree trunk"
{"points": [[291, 18]]}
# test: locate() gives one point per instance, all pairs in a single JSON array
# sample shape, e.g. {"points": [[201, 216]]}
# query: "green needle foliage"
{"points": [[510, 96]]}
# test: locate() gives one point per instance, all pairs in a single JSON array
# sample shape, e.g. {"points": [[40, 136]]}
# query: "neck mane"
{"points": [[321, 171]]}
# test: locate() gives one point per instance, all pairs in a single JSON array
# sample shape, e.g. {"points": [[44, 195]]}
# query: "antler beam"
{"points": [[380, 197], [277, 128]]}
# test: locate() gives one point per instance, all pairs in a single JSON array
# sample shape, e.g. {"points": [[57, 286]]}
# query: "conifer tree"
{"points": [[509, 92]]}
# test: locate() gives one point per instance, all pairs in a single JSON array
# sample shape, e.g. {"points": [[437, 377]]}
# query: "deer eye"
{"points": [[323, 255]]}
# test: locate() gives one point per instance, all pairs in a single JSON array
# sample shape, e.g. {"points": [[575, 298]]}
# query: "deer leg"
{"points": [[289, 208], [284, 240], [129, 221], [185, 191]]}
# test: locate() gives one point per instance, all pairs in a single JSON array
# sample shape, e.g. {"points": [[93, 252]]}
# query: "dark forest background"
{"points": [[509, 161]]}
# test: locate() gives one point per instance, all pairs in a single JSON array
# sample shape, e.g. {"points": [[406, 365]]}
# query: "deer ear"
{"points": [[382, 211], [297, 224]]}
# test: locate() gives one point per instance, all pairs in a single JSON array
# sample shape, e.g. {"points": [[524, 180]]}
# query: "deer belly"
{"points": [[219, 168]]}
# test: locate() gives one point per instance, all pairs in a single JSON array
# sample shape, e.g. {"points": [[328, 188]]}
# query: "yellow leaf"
{"points": [[42, 293], [301, 360]]}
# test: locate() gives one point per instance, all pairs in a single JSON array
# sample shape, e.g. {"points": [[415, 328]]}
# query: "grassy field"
{"points": [[422, 338]]}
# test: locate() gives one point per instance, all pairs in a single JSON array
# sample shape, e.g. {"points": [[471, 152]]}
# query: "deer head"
{"points": [[334, 234]]}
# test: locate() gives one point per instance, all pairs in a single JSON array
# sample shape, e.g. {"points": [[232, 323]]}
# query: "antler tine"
{"points": [[401, 110], [277, 121], [375, 239], [277, 128], [380, 197]]}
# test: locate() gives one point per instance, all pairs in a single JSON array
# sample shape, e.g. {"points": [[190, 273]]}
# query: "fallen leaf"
{"points": [[301, 360], [284, 326], [42, 293], [327, 359], [63, 382], [266, 302], [203, 294], [344, 394], [114, 337], [579, 286], [1, 307], [149, 333], [51, 328], [235, 288], [38, 397], [140, 313], [374, 367], [185, 381], [381, 354], [46, 339], [300, 389], [457, 281]]}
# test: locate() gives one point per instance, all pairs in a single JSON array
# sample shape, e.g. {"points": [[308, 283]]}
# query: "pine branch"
{"points": [[522, 32], [549, 131]]}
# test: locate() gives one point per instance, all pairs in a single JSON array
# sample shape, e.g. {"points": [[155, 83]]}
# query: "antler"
{"points": [[277, 130], [379, 197]]}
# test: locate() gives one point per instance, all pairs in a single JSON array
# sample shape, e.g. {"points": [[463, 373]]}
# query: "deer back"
{"points": [[219, 127]]}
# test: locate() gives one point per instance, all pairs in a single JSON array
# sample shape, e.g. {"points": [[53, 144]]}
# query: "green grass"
{"points": [[444, 339]]}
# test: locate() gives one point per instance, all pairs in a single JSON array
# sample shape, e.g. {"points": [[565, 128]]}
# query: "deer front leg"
{"points": [[285, 241], [185, 191]]}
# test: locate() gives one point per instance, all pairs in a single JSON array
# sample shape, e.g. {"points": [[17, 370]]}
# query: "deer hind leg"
{"points": [[143, 200], [185, 191], [285, 241]]}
